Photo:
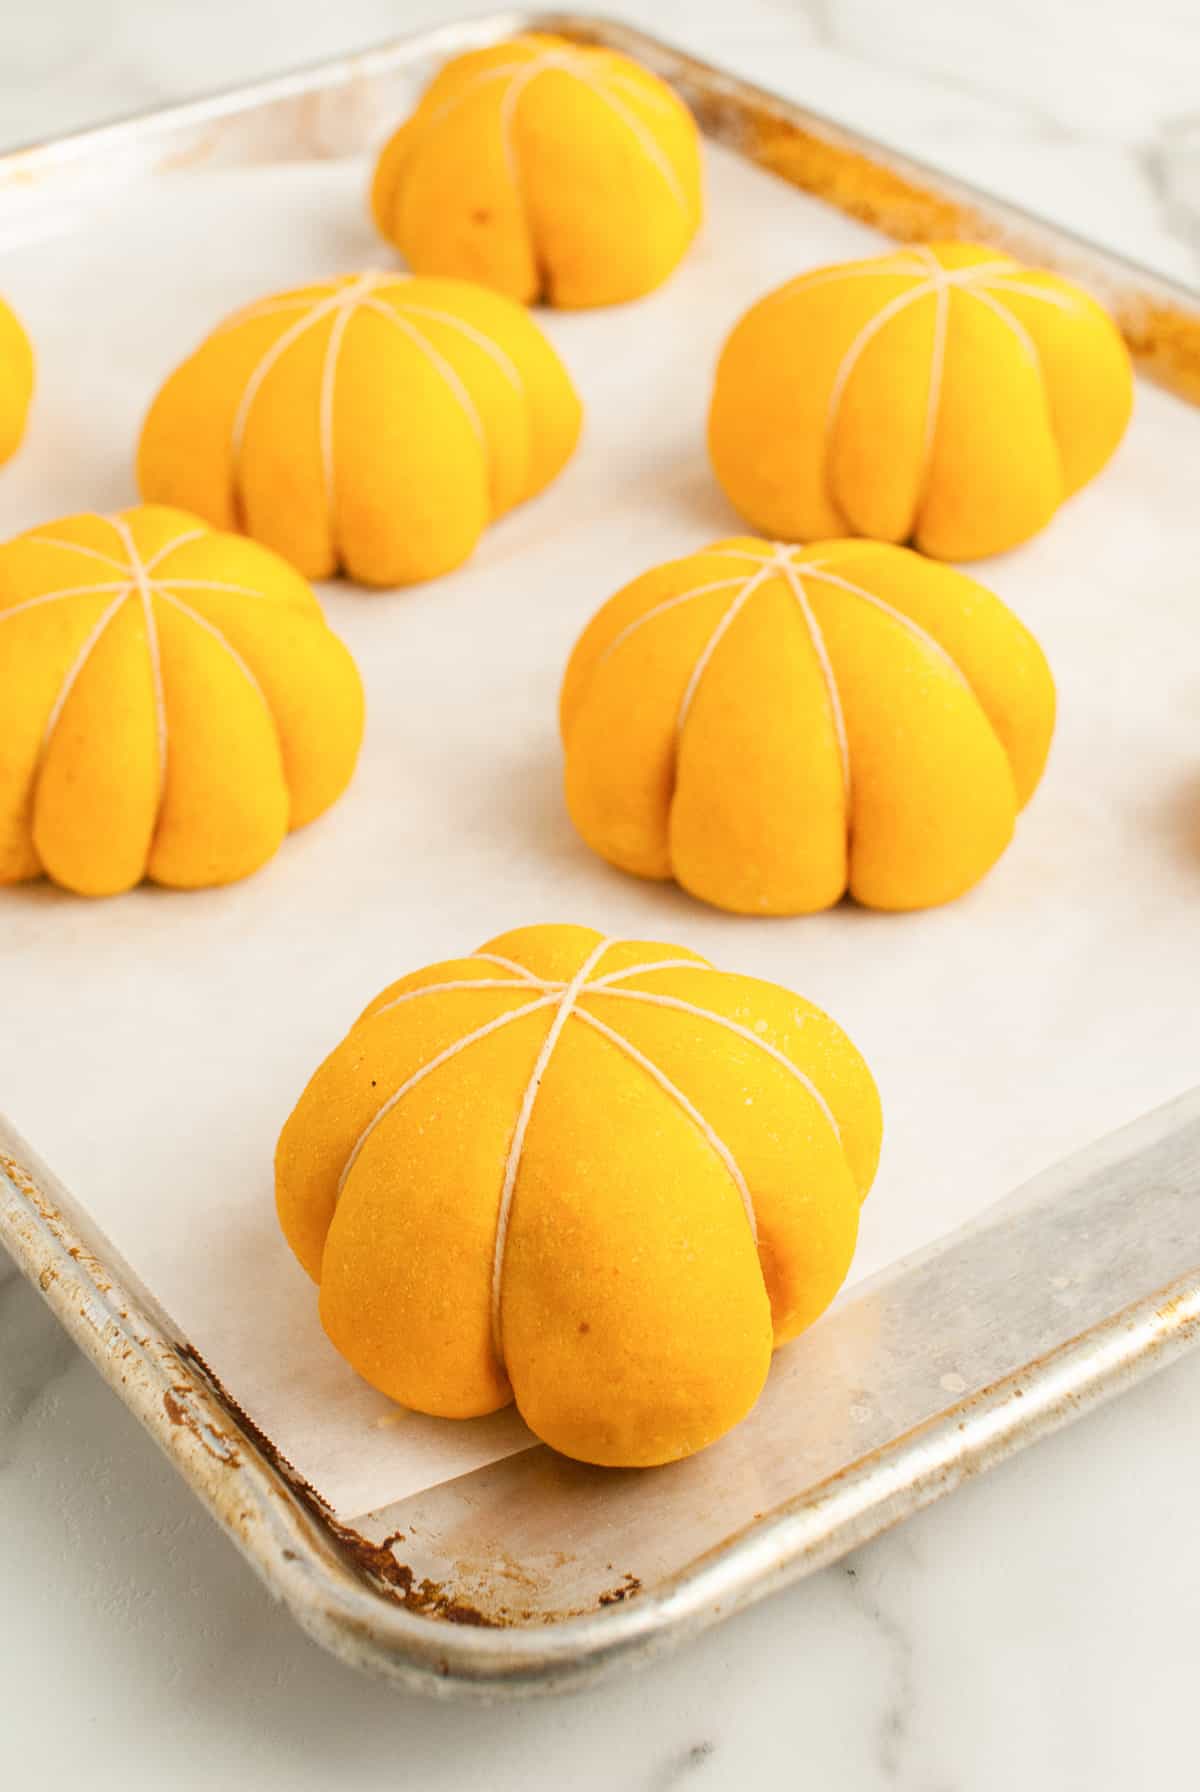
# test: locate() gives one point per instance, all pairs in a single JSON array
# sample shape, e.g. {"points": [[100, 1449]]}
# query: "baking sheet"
{"points": [[153, 1045]]}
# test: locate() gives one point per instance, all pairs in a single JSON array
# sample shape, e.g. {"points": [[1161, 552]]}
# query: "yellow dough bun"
{"points": [[16, 381], [597, 1177], [374, 424], [173, 703], [944, 395], [774, 727], [546, 171]]}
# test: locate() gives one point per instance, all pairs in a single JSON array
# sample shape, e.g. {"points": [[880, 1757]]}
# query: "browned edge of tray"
{"points": [[348, 1589]]}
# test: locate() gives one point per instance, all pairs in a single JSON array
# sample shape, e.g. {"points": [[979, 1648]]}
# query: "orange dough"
{"points": [[776, 727], [173, 701], [545, 170], [597, 1177], [16, 381], [943, 394], [374, 424]]}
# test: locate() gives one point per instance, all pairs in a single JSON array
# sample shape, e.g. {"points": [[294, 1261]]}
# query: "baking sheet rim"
{"points": [[282, 1534], [280, 1528]]}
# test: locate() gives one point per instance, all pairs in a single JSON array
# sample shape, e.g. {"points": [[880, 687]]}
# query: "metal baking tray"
{"points": [[536, 1572]]}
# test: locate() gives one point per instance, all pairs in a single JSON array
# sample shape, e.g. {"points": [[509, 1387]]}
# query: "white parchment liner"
{"points": [[151, 1046]]}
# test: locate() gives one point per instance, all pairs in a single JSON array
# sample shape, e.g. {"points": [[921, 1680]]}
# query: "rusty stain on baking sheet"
{"points": [[21, 1179], [627, 1589], [178, 1407], [376, 1562], [430, 1598]]}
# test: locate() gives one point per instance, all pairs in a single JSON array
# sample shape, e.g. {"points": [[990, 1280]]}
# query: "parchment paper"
{"points": [[151, 1046]]}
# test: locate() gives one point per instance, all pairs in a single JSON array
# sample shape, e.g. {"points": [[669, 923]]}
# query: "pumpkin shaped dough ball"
{"points": [[944, 395], [776, 727], [597, 1177], [545, 170], [16, 381], [374, 424], [174, 703]]}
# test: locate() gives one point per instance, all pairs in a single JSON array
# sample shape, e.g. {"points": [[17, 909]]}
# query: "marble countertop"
{"points": [[1038, 1628]]}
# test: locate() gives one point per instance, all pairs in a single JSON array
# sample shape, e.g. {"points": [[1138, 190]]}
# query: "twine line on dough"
{"points": [[344, 301], [781, 562], [567, 997], [224, 585], [660, 609], [651, 149], [919, 634], [974, 281], [795, 582], [138, 574], [818, 569], [449, 375], [529, 69], [179, 541], [495, 353], [859, 345], [516, 1149], [703, 1126], [90, 643], [482, 79], [294, 301], [427, 1069], [274, 353], [54, 597], [77, 547], [983, 297], [513, 985], [729, 617], [135, 582], [1010, 283], [889, 268], [527, 980], [509, 964], [643, 970], [659, 999], [219, 635]]}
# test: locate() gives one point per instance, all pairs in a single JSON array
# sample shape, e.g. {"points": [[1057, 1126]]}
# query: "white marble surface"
{"points": [[1040, 1628]]}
